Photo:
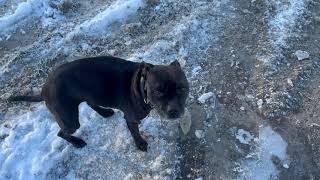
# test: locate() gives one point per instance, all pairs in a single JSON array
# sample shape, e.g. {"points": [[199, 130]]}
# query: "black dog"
{"points": [[109, 82]]}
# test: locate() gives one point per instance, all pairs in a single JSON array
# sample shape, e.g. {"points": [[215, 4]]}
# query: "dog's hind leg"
{"points": [[67, 116], [104, 112], [76, 142]]}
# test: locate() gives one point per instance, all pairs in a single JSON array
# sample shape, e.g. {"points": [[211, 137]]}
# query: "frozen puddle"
{"points": [[261, 166], [30, 148]]}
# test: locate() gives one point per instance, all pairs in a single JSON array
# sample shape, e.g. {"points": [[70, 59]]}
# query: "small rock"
{"points": [[22, 31], [199, 134], [301, 55], [259, 103], [290, 82], [242, 108], [286, 166], [204, 97]]}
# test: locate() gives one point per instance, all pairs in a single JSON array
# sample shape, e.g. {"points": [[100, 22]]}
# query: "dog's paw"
{"points": [[78, 143], [142, 145], [107, 113]]}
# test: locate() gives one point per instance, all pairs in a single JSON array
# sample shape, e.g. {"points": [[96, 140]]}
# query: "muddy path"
{"points": [[240, 80]]}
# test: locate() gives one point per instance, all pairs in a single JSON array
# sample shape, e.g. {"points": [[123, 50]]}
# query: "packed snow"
{"points": [[260, 165], [32, 150]]}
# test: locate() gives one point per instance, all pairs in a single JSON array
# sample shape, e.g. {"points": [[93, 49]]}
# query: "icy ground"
{"points": [[253, 102]]}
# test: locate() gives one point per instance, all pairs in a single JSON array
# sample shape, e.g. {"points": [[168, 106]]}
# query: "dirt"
{"points": [[288, 89]]}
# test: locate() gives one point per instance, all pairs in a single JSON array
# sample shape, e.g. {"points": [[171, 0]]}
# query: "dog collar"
{"points": [[142, 90]]}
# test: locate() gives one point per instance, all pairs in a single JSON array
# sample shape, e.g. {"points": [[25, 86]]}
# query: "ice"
{"points": [[244, 136], [269, 143], [301, 55], [204, 97]]}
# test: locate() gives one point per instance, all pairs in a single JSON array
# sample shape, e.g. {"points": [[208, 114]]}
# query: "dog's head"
{"points": [[166, 88]]}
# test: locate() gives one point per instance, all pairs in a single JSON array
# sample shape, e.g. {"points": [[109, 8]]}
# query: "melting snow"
{"points": [[285, 19], [119, 11], [269, 143], [30, 148], [244, 136], [25, 10]]}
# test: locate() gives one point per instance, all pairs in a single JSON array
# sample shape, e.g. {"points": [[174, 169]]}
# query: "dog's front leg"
{"points": [[139, 141]]}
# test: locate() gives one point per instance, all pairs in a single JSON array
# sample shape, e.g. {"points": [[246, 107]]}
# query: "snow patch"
{"points": [[244, 136], [285, 20], [24, 10], [30, 148], [27, 10], [119, 11], [199, 133], [204, 97], [261, 167]]}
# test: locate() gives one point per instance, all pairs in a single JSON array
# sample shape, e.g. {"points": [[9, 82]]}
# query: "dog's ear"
{"points": [[175, 63], [145, 68]]}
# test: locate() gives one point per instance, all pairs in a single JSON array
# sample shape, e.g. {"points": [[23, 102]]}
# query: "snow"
{"points": [[199, 133], [281, 25], [25, 10], [261, 167], [285, 20], [204, 97], [244, 136], [31, 137], [260, 103], [31, 140], [119, 11], [301, 55]]}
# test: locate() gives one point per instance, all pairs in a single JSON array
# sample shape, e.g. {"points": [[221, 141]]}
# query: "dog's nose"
{"points": [[173, 113]]}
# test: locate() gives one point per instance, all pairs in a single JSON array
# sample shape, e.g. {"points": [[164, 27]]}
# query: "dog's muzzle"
{"points": [[173, 114]]}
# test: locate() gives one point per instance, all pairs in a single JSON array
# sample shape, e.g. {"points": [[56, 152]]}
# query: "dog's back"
{"points": [[91, 79]]}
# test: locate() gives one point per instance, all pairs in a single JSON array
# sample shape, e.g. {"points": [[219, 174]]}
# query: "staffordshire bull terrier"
{"points": [[110, 82]]}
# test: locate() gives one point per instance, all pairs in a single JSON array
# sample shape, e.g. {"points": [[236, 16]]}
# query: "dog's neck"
{"points": [[138, 90]]}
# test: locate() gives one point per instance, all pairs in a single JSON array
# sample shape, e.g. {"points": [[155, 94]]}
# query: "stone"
{"points": [[302, 55]]}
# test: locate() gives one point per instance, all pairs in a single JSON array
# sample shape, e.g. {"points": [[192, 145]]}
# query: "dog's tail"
{"points": [[36, 98]]}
